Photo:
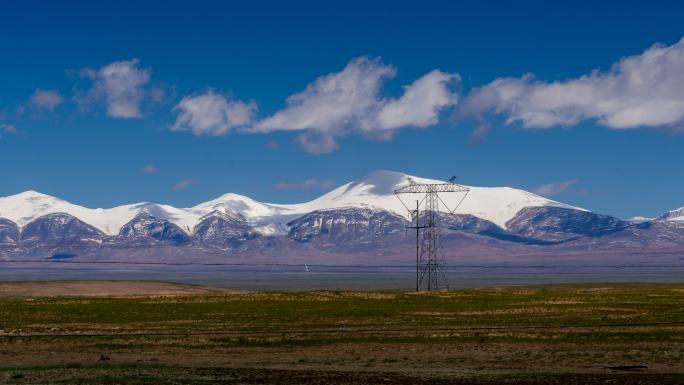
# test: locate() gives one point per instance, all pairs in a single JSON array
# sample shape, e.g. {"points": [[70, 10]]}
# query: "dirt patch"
{"points": [[558, 302], [515, 311], [100, 289]]}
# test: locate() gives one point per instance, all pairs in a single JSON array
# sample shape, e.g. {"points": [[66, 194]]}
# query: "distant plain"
{"points": [[300, 277], [73, 332]]}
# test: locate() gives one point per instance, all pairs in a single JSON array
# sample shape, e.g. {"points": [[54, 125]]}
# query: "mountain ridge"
{"points": [[375, 190], [358, 222], [676, 215]]}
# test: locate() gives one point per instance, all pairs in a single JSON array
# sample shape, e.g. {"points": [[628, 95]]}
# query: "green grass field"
{"points": [[552, 334]]}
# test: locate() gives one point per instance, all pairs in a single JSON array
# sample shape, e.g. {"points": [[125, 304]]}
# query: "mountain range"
{"points": [[359, 222]]}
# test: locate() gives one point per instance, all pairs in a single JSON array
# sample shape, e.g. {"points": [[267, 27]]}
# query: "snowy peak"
{"points": [[223, 228], [375, 191], [24, 207], [495, 204], [381, 182], [146, 225], [674, 215], [58, 229], [227, 215], [33, 195], [242, 205]]}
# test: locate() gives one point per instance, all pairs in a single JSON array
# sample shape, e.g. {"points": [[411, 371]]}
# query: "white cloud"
{"points": [[421, 103], [46, 99], [479, 134], [317, 142], [334, 101], [8, 128], [212, 114], [308, 184], [149, 169], [554, 188], [645, 90], [348, 101], [182, 185], [121, 84], [332, 106]]}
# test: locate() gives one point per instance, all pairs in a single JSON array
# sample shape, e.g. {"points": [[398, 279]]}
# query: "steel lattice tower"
{"points": [[430, 259]]}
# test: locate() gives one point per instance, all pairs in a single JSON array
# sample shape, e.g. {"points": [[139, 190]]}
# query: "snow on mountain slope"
{"points": [[375, 190], [639, 219], [25, 207], [495, 204], [674, 215], [253, 211]]}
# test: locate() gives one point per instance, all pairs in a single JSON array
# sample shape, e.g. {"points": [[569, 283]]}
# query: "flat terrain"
{"points": [[255, 277], [165, 333], [99, 289]]}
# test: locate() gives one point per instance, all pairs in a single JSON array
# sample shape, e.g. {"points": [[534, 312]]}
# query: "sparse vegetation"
{"points": [[573, 333]]}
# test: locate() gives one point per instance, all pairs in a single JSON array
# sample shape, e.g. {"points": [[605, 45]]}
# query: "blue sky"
{"points": [[104, 104]]}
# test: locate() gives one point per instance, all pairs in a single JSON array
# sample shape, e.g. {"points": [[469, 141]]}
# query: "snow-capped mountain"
{"points": [[376, 190], [674, 215], [26, 207], [361, 219], [223, 229], [347, 225], [59, 229], [145, 225]]}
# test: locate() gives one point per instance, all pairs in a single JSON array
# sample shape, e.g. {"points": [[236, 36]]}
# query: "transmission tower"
{"points": [[430, 260]]}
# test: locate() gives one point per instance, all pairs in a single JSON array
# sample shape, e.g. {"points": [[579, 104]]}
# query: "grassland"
{"points": [[629, 334]]}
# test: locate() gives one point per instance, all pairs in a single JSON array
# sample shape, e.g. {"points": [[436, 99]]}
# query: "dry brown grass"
{"points": [[114, 289]]}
